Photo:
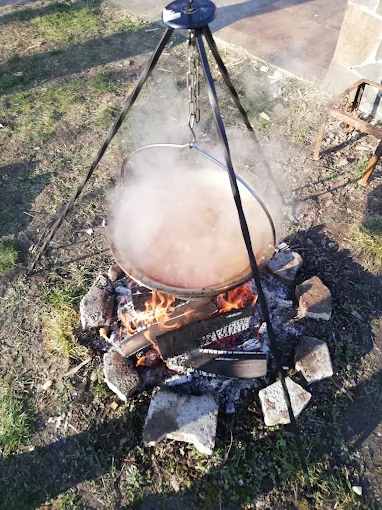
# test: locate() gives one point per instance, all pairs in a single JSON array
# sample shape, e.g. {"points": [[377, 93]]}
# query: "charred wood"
{"points": [[203, 332], [223, 363], [186, 313]]}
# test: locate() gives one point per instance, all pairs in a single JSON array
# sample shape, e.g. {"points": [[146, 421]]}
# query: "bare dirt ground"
{"points": [[65, 71]]}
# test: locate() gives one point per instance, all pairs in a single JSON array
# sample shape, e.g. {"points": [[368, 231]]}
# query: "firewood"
{"points": [[241, 365], [203, 332], [189, 312]]}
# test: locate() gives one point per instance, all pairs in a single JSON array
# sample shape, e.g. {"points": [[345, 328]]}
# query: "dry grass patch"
{"points": [[366, 239]]}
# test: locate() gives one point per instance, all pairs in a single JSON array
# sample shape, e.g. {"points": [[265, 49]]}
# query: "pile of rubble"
{"points": [[191, 385]]}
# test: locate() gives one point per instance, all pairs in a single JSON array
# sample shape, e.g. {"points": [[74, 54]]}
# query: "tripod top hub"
{"points": [[189, 14]]}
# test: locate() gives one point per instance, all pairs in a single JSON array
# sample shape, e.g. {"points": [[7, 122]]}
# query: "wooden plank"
{"points": [[203, 332], [240, 365], [187, 313]]}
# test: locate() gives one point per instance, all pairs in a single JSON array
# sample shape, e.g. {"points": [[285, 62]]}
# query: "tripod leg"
{"points": [[113, 131], [247, 240], [223, 70]]}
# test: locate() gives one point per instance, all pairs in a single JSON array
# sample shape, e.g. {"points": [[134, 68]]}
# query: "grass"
{"points": [[8, 254], [303, 114], [61, 318], [102, 83], [358, 170], [366, 238], [68, 26], [16, 420]]}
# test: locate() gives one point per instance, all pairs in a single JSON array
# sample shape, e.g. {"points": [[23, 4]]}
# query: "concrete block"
{"points": [[182, 417], [315, 299], [313, 359], [273, 402], [359, 36], [96, 308], [285, 265], [339, 77], [120, 375]]}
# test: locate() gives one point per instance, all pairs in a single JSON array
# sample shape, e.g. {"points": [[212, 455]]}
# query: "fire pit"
{"points": [[203, 335]]}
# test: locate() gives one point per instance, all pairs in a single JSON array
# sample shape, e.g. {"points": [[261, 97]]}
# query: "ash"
{"points": [[227, 391]]}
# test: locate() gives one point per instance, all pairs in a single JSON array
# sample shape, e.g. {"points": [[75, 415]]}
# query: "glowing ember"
{"points": [[150, 359], [236, 298]]}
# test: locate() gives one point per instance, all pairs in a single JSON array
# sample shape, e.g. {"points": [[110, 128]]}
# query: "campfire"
{"points": [[153, 328]]}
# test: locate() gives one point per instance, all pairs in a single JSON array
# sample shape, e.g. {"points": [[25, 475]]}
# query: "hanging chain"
{"points": [[193, 82]]}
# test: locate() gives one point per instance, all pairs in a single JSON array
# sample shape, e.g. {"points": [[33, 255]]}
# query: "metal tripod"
{"points": [[181, 14], [195, 15]]}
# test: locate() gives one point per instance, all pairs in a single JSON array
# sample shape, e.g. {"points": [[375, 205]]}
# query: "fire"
{"points": [[236, 298], [158, 309], [157, 317]]}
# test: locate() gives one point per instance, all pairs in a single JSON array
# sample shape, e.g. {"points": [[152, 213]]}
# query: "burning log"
{"points": [[241, 365], [203, 332], [189, 312]]}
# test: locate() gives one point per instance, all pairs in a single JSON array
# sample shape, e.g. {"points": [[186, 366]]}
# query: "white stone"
{"points": [[273, 402], [285, 265], [264, 116], [313, 359], [120, 375], [183, 418], [357, 489], [315, 299]]}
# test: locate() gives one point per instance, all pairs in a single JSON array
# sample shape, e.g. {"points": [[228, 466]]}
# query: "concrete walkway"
{"points": [[298, 36]]}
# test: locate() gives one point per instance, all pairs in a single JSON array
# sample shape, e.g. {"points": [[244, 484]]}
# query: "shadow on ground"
{"points": [[73, 59], [18, 190]]}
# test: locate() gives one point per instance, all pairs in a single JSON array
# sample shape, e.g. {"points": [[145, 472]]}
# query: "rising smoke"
{"points": [[175, 220]]}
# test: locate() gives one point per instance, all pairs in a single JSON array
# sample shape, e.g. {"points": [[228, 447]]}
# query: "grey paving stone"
{"points": [[187, 418], [313, 359], [96, 308], [315, 299], [273, 402], [120, 375], [285, 265]]}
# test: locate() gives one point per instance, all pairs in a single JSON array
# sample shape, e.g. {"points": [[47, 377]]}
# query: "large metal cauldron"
{"points": [[174, 228]]}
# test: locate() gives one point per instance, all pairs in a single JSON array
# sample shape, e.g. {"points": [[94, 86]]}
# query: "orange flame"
{"points": [[236, 298], [157, 310]]}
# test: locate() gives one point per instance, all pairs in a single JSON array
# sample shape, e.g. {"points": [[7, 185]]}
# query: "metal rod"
{"points": [[235, 96], [247, 240], [113, 131]]}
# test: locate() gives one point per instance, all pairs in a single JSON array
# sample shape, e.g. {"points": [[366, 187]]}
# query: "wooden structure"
{"points": [[346, 110]]}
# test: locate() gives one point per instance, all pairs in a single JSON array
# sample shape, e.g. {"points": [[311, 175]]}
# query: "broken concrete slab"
{"points": [[273, 402], [96, 308], [285, 265], [187, 418], [315, 299], [120, 375], [313, 359]]}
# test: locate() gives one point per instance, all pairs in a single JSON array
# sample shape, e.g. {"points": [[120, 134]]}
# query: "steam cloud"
{"points": [[175, 220]]}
